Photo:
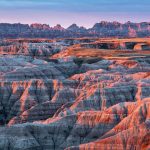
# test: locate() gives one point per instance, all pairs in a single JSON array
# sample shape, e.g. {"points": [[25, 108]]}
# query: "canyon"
{"points": [[75, 93]]}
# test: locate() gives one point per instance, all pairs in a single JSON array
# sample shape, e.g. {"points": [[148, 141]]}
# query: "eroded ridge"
{"points": [[75, 94]]}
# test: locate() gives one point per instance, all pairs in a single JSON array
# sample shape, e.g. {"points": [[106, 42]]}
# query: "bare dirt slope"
{"points": [[75, 94]]}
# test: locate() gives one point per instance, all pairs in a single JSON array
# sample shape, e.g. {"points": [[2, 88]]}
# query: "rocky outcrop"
{"points": [[102, 29], [113, 29], [120, 136]]}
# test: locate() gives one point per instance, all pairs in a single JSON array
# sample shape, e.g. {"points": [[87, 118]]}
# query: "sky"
{"points": [[66, 12]]}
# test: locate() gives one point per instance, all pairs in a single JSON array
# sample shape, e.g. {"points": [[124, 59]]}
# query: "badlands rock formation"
{"points": [[102, 29], [75, 94]]}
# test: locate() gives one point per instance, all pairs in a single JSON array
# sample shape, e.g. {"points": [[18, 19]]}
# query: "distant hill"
{"points": [[102, 29]]}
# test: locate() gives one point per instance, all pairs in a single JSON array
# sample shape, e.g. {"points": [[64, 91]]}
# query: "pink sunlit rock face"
{"points": [[76, 93]]}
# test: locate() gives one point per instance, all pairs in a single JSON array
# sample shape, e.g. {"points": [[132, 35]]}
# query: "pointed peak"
{"points": [[58, 27], [73, 27]]}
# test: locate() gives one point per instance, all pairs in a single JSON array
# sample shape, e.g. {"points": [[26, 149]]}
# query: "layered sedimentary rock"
{"points": [[75, 98], [102, 29]]}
